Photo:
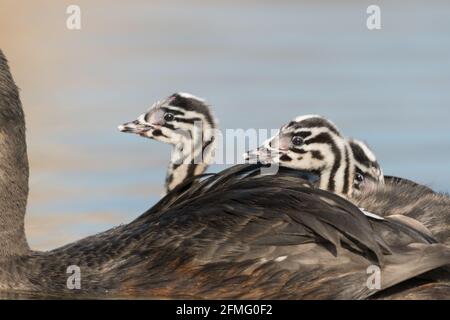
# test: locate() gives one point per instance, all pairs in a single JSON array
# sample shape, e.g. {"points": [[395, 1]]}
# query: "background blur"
{"points": [[259, 64]]}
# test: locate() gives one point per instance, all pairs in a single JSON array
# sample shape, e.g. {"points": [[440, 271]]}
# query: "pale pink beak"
{"points": [[135, 127]]}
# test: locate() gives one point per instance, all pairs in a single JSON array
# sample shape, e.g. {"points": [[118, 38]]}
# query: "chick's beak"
{"points": [[260, 154], [135, 127]]}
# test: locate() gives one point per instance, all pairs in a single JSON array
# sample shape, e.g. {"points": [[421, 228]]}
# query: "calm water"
{"points": [[258, 64]]}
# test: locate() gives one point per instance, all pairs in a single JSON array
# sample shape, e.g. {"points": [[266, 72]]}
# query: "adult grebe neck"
{"points": [[14, 169]]}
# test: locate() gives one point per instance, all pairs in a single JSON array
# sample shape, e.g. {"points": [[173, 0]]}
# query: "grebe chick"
{"points": [[313, 143], [186, 122], [368, 172]]}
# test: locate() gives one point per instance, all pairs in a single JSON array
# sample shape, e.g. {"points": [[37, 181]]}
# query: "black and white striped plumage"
{"points": [[186, 122], [314, 143], [368, 173]]}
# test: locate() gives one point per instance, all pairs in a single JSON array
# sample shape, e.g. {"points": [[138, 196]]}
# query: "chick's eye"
{"points": [[168, 117], [359, 177], [297, 141]]}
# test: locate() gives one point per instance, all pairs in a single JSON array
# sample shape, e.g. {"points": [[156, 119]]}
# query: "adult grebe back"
{"points": [[236, 234]]}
